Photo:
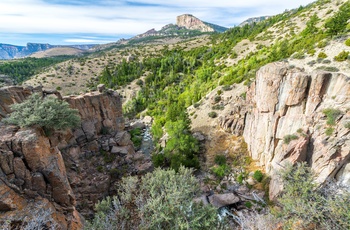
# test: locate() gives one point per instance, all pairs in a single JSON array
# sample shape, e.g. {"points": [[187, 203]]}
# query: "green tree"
{"points": [[49, 113], [337, 24], [162, 199]]}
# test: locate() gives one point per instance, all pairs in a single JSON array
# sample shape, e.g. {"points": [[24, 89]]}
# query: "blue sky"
{"points": [[103, 21]]}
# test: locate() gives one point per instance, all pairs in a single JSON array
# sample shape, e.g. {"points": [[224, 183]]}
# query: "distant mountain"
{"points": [[192, 23], [255, 19], [186, 25], [8, 51]]}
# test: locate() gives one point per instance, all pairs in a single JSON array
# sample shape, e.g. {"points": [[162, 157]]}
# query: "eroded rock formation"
{"points": [[67, 172], [192, 23], [287, 103]]}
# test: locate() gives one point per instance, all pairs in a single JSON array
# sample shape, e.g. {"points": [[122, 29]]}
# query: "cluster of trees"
{"points": [[21, 70]]}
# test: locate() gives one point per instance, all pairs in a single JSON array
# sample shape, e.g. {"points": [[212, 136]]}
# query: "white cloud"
{"points": [[117, 17]]}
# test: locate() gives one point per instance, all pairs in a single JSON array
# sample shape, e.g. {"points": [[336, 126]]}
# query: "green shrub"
{"points": [[226, 88], [332, 115], [347, 42], [322, 55], [221, 170], [136, 137], [248, 204], [220, 159], [240, 178], [218, 107], [49, 113], [299, 55], [217, 99], [322, 44], [258, 175], [158, 159], [212, 114], [329, 131], [304, 202], [288, 138], [58, 88], [162, 199], [347, 125], [342, 56], [219, 92], [328, 68]]}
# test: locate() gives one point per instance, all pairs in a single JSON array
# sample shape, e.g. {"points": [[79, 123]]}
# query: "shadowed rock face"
{"points": [[284, 102], [65, 173]]}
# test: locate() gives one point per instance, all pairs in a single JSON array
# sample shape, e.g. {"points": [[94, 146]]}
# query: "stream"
{"points": [[147, 145]]}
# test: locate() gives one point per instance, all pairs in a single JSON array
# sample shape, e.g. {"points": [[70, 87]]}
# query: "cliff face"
{"points": [[284, 102], [66, 173], [192, 23]]}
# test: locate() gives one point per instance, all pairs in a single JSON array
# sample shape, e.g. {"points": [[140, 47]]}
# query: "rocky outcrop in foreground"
{"points": [[66, 173], [286, 119]]}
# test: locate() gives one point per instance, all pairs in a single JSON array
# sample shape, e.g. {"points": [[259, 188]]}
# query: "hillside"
{"points": [[58, 51], [260, 112]]}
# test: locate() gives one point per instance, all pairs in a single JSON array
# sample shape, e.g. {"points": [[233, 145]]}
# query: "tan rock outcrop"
{"points": [[192, 23], [287, 101]]}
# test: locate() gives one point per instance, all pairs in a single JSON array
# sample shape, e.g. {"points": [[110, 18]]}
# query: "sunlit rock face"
{"points": [[285, 102]]}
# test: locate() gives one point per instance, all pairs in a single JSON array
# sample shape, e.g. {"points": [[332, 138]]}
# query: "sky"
{"points": [[63, 22]]}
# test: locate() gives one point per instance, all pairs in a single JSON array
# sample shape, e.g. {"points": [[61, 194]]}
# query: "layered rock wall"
{"points": [[67, 172], [287, 103]]}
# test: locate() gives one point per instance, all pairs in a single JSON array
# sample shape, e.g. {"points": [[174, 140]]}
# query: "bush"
{"points": [[220, 159], [221, 170], [48, 113], [332, 115], [162, 199], [305, 204], [212, 114], [347, 125], [329, 131], [136, 137], [217, 99], [288, 138], [218, 107], [328, 68], [347, 42], [342, 56], [322, 55], [258, 175]]}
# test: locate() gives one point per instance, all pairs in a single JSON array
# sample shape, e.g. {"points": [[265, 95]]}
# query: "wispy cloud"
{"points": [[127, 17]]}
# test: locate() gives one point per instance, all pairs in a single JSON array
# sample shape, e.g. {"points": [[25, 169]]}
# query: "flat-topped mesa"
{"points": [[192, 23]]}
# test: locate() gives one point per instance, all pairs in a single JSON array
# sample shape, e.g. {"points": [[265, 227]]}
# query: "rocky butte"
{"points": [[61, 176], [190, 22]]}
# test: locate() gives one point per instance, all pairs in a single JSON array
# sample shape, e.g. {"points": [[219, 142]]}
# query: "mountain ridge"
{"points": [[8, 51]]}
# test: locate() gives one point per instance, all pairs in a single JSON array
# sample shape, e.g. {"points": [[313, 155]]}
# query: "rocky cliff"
{"points": [[190, 22], [291, 116], [64, 174]]}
